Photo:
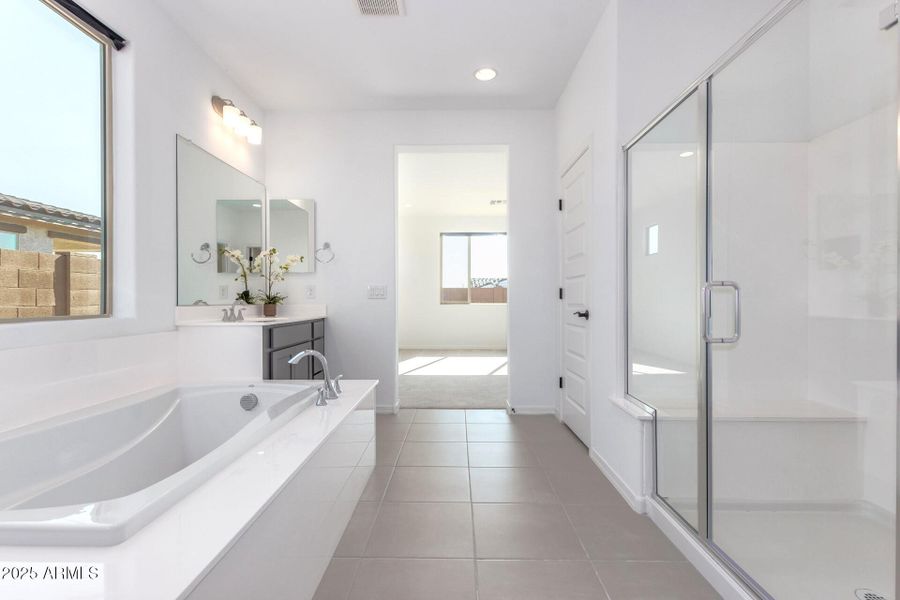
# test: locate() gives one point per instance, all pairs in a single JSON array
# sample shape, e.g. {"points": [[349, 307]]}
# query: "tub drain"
{"points": [[249, 402], [864, 594]]}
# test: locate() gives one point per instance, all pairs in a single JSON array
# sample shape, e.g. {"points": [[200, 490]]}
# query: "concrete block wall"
{"points": [[32, 284], [84, 285], [26, 284]]}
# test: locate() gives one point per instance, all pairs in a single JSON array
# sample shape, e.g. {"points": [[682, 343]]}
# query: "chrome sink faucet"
{"points": [[332, 386], [230, 316]]}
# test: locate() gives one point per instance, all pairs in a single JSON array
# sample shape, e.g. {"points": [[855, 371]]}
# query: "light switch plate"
{"points": [[223, 292], [310, 292], [376, 292]]}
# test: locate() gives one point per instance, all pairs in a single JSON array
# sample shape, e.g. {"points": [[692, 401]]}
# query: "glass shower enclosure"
{"points": [[762, 302]]}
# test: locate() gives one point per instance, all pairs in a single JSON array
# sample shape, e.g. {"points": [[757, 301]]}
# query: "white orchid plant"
{"points": [[273, 271], [245, 268]]}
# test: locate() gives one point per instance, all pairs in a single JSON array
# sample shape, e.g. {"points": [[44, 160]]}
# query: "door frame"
{"points": [[586, 152]]}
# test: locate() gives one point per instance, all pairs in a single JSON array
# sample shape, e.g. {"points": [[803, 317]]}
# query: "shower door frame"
{"points": [[702, 86]]}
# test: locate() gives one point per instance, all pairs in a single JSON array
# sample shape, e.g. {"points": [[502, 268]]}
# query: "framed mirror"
{"points": [[292, 230]]}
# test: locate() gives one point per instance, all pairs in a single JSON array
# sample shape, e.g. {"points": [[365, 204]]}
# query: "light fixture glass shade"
{"points": [[243, 125], [230, 115], [254, 134]]}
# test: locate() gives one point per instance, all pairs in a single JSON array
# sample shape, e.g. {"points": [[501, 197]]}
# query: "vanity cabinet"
{"points": [[281, 342]]}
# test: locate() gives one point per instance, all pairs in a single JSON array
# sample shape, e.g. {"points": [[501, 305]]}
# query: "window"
{"points": [[652, 240], [473, 268], [54, 151]]}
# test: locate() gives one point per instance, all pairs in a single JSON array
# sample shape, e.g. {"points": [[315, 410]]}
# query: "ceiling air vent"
{"points": [[381, 8]]}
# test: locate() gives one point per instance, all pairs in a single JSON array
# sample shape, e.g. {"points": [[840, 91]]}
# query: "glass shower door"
{"points": [[802, 364], [666, 265]]}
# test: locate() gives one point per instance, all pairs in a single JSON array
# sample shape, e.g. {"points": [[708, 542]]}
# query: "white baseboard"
{"points": [[449, 347], [381, 409], [548, 409], [714, 572], [634, 499]]}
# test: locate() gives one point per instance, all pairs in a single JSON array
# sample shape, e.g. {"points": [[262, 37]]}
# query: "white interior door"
{"points": [[576, 190]]}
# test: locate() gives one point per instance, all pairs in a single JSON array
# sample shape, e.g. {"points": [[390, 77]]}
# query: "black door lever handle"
{"points": [[586, 314]]}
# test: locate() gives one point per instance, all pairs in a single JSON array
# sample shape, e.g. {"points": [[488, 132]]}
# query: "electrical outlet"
{"points": [[310, 292], [376, 292], [223, 292]]}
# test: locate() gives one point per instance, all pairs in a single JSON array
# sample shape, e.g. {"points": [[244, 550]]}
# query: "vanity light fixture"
{"points": [[254, 134], [237, 120], [485, 74]]}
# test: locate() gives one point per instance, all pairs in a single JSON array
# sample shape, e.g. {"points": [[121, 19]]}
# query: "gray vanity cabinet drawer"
{"points": [[280, 368], [290, 335], [318, 329]]}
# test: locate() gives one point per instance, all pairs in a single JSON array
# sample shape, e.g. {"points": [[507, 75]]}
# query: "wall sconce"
{"points": [[237, 120]]}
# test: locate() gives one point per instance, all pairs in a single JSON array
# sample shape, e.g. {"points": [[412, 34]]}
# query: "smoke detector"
{"points": [[381, 8]]}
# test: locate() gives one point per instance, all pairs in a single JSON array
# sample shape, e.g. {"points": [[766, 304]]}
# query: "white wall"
{"points": [[346, 162], [641, 56], [162, 86], [425, 323]]}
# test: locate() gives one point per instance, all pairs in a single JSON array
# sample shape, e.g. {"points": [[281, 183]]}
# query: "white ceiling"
{"points": [[322, 54], [452, 181]]}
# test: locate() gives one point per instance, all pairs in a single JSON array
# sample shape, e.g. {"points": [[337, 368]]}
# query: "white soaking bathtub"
{"points": [[96, 476]]}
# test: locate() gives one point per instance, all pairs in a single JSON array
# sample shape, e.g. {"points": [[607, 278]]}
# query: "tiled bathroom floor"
{"points": [[467, 505]]}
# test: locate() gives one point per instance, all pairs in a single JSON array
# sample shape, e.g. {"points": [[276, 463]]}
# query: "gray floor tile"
{"points": [[439, 415], [570, 455], [356, 535], [487, 416], [511, 485], [386, 452], [378, 481], [653, 581], [405, 579], [429, 484], [391, 431], [538, 580], [426, 530], [501, 454], [584, 487], [437, 432], [405, 415], [525, 531], [337, 580], [494, 432], [615, 532], [543, 428], [434, 454]]}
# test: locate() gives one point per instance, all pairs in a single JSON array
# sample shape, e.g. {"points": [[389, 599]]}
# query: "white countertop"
{"points": [[211, 316], [164, 559]]}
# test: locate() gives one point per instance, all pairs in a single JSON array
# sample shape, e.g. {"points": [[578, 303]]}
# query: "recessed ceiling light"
{"points": [[485, 74], [687, 154]]}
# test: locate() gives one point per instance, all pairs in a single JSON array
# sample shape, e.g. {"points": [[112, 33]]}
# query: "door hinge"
{"points": [[561, 294], [560, 205], [562, 383], [888, 16]]}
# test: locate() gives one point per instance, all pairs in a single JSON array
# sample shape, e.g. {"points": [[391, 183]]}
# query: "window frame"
{"points": [[108, 41], [468, 235]]}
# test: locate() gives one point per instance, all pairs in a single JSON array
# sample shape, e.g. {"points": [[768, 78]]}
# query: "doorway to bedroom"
{"points": [[453, 276]]}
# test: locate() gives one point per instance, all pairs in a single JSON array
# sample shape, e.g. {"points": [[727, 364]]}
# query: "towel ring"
{"points": [[204, 247], [325, 249]]}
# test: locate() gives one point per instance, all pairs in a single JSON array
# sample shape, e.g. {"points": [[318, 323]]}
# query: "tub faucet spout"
{"points": [[331, 391]]}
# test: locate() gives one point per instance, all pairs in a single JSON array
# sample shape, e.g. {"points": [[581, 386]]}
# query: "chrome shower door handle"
{"points": [[707, 317]]}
